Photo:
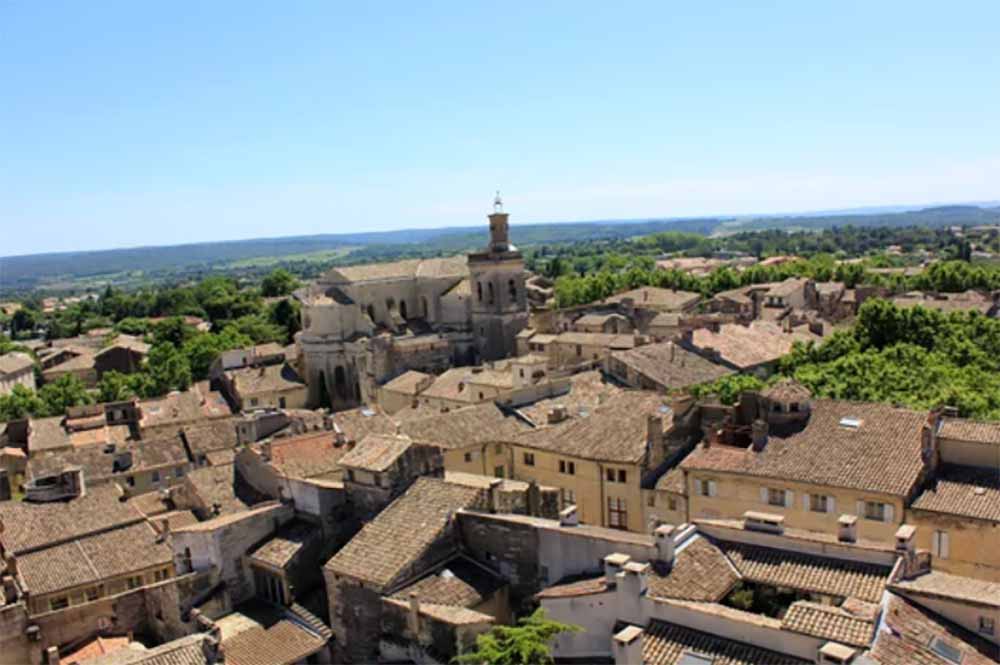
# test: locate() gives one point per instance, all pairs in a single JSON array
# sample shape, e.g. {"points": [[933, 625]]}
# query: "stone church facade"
{"points": [[364, 325]]}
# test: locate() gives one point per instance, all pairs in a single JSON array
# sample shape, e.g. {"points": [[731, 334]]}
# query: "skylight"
{"points": [[692, 658], [850, 422], [945, 650]]}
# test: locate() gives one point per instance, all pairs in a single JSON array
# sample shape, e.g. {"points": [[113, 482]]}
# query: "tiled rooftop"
{"points": [[266, 379], [966, 491], [700, 572], [670, 365], [971, 430], [308, 455], [376, 452], [401, 533], [944, 585], [748, 346], [280, 549], [215, 485], [461, 583], [587, 391], [881, 455], [910, 630], [829, 623], [461, 427], [657, 298], [666, 643], [211, 435], [407, 383]]}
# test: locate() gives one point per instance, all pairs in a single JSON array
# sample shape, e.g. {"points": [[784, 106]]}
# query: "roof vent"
{"points": [[695, 658], [850, 423], [979, 491], [367, 413], [945, 650]]}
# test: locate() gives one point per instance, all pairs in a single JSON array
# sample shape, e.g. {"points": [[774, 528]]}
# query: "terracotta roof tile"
{"points": [[666, 643], [829, 623], [460, 583], [282, 643], [587, 391], [409, 383], [280, 549], [266, 379], [744, 347], [882, 455], [701, 572], [970, 430], [656, 298], [376, 452], [670, 365], [308, 455], [945, 585], [462, 427], [967, 491]]}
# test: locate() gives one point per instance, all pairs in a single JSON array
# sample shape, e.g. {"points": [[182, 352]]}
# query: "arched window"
{"points": [[340, 382], [402, 308], [512, 287], [479, 290], [424, 309], [489, 287], [371, 312]]}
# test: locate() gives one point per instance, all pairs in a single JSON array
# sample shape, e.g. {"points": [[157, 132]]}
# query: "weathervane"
{"points": [[498, 203]]}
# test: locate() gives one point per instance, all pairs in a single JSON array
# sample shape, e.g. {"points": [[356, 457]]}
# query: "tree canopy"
{"points": [[527, 643]]}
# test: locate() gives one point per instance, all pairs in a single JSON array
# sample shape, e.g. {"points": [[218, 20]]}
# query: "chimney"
{"points": [[494, 492], [413, 616], [265, 450], [10, 562], [9, 589], [627, 646], [534, 499], [665, 543], [52, 656], [759, 431], [557, 414], [905, 545], [568, 516], [654, 432], [847, 528], [929, 441], [834, 653], [636, 578], [613, 564]]}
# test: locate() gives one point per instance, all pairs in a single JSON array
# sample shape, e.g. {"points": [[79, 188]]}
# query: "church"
{"points": [[364, 325]]}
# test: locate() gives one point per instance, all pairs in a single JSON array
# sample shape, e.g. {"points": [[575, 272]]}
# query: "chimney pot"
{"points": [[847, 528], [759, 431], [613, 564], [568, 516], [665, 543]]}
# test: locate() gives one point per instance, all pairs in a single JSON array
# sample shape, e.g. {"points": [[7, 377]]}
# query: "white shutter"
{"points": [[712, 488], [831, 505], [861, 509], [805, 502], [889, 513], [944, 545], [763, 495], [789, 498]]}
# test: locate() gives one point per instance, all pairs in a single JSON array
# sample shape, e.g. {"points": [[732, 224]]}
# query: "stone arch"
{"points": [[512, 289], [479, 290], [340, 382], [489, 288], [324, 391]]}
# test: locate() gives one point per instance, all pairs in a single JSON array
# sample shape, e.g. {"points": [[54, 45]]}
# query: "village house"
{"points": [[751, 349], [816, 462], [664, 367], [125, 354], [16, 369], [656, 299], [81, 365], [275, 386]]}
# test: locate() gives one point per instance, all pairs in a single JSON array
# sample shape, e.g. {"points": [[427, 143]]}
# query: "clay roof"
{"points": [[450, 385], [910, 631], [787, 287], [700, 572], [29, 526], [408, 383], [967, 491], [398, 536], [829, 623], [460, 583], [13, 363], [575, 589], [436, 268], [307, 455], [951, 302], [614, 432], [93, 558], [99, 646], [266, 379], [376, 452], [177, 408], [829, 288], [47, 434], [282, 643], [212, 435], [657, 298], [606, 340], [970, 430], [807, 572], [84, 361], [187, 650], [672, 481], [787, 390], [670, 365], [216, 485], [98, 464], [358, 423], [598, 319], [462, 427], [881, 455], [666, 643], [587, 391], [748, 346], [280, 549], [128, 342], [945, 585], [449, 614]]}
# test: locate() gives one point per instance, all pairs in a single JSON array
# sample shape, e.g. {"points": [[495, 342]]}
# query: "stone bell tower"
{"points": [[499, 301]]}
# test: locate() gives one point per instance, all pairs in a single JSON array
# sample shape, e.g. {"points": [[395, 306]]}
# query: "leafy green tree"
{"points": [[287, 315], [279, 283], [728, 388], [259, 329], [64, 392], [202, 349], [21, 402], [169, 369], [117, 387], [173, 330], [527, 643]]}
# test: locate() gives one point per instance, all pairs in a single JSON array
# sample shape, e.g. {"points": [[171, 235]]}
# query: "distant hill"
{"points": [[76, 269]]}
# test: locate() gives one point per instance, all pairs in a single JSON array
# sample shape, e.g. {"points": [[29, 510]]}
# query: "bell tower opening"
{"points": [[499, 227]]}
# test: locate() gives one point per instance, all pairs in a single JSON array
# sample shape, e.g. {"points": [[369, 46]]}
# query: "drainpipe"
{"points": [[600, 483]]}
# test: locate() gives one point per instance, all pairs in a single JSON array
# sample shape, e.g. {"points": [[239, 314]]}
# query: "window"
{"points": [[940, 545], [611, 475], [568, 497], [130, 481], [987, 626], [479, 290], [775, 497], [651, 500], [156, 476], [529, 459], [875, 511], [521, 372], [281, 402], [621, 475], [579, 350], [489, 289], [92, 594], [617, 513], [60, 603], [498, 471], [134, 582], [160, 575], [567, 467], [179, 472], [253, 401], [480, 396], [512, 287], [819, 503], [350, 472], [705, 487], [468, 457], [671, 503]]}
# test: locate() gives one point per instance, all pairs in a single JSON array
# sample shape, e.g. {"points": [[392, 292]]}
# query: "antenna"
{"points": [[497, 203]]}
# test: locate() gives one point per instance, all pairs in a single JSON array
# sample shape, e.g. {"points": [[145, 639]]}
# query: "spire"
{"points": [[497, 203]]}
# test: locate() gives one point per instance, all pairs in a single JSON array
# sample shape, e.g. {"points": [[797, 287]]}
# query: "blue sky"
{"points": [[139, 123]]}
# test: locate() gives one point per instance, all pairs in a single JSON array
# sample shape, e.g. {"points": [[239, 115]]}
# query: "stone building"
{"points": [[364, 325]]}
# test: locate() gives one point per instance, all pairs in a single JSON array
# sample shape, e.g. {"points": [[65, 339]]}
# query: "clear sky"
{"points": [[136, 123]]}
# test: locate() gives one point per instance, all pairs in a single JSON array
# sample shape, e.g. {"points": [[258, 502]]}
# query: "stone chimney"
{"points": [[759, 432], [665, 543], [613, 564], [847, 528], [534, 499], [627, 646], [654, 432], [494, 494], [929, 451], [413, 616], [9, 589], [557, 414], [52, 656], [636, 578], [568, 516]]}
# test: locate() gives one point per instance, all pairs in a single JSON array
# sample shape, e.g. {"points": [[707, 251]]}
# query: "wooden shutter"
{"points": [[861, 509], [789, 498], [831, 505], [763, 495], [711, 488], [890, 513]]}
